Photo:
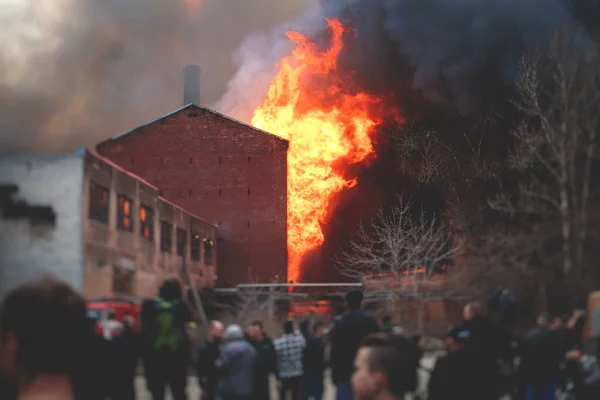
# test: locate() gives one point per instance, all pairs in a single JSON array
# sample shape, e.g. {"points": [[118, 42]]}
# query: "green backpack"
{"points": [[168, 333]]}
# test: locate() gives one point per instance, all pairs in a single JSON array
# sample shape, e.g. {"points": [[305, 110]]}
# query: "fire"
{"points": [[308, 104]]}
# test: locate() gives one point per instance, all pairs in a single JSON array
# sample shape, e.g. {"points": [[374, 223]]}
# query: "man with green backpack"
{"points": [[166, 344]]}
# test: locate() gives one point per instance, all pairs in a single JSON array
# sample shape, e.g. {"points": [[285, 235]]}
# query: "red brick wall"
{"points": [[225, 172]]}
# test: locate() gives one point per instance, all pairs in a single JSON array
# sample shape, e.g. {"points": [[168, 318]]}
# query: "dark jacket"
{"points": [[7, 389], [208, 374], [452, 378], [237, 366], [542, 352], [348, 331], [314, 354], [266, 360]]}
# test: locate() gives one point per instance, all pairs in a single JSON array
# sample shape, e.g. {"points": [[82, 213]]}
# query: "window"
{"points": [[147, 222], [248, 224], [98, 203], [124, 214], [166, 236], [220, 159], [195, 246], [190, 192], [181, 241], [248, 158], [208, 246], [220, 192], [248, 191], [191, 160]]}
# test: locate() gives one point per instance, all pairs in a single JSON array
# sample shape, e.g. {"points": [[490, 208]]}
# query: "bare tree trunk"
{"points": [[565, 223], [585, 195]]}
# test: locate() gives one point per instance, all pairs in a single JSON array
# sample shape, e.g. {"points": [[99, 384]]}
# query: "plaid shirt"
{"points": [[290, 350]]}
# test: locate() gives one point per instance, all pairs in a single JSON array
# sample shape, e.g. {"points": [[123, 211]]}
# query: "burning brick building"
{"points": [[229, 173]]}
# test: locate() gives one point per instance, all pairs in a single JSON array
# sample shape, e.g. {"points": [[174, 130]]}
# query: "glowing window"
{"points": [[147, 222], [124, 214], [195, 246]]}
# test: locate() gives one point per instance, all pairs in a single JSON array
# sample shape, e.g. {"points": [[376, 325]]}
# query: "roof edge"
{"points": [[122, 134], [169, 202]]}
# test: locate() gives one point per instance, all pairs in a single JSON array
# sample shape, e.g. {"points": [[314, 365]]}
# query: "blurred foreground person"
{"points": [[40, 361], [166, 345], [487, 345], [452, 376], [289, 348], [348, 331], [124, 351], [314, 364], [385, 368], [236, 364], [92, 380], [208, 354], [266, 360], [542, 351]]}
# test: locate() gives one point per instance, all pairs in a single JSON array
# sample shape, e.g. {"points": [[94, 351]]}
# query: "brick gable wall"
{"points": [[225, 172]]}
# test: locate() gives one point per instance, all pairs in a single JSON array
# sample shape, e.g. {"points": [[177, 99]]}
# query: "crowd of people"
{"points": [[50, 349]]}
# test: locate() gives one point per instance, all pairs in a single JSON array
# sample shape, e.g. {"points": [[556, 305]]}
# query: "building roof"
{"points": [[121, 169], [120, 135]]}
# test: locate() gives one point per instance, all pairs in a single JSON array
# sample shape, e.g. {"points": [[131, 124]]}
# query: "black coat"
{"points": [[347, 333], [208, 373]]}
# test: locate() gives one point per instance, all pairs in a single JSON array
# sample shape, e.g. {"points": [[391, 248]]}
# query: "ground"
{"points": [[194, 389]]}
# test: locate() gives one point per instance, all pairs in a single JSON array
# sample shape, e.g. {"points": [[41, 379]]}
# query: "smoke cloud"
{"points": [[73, 72], [450, 53]]}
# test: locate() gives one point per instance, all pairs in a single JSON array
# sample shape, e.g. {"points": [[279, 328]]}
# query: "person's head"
{"points": [[255, 331], [354, 299], [305, 326], [473, 310], [170, 290], [385, 366], [233, 332], [319, 329], [288, 326], [543, 320], [215, 331], [43, 328], [557, 323]]}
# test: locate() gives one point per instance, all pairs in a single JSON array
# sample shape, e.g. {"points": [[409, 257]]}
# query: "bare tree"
{"points": [[401, 253], [559, 94]]}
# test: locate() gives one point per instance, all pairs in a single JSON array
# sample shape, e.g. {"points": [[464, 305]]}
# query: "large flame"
{"points": [[327, 127]]}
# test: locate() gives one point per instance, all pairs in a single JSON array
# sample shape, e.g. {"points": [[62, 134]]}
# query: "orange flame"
{"points": [[308, 104]]}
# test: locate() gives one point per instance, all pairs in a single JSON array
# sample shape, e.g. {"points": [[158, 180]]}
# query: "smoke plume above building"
{"points": [[73, 72], [446, 52]]}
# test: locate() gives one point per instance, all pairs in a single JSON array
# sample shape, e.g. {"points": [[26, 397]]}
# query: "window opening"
{"points": [[195, 247], [208, 246], [166, 236], [181, 241], [124, 214], [99, 196], [147, 222]]}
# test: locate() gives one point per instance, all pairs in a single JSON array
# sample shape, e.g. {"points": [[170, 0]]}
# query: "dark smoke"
{"points": [[454, 53], [73, 72]]}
